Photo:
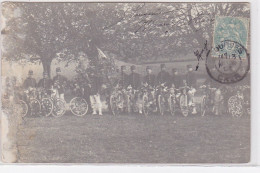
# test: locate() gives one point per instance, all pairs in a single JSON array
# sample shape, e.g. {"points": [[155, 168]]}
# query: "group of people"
{"points": [[92, 83], [163, 77], [173, 80]]}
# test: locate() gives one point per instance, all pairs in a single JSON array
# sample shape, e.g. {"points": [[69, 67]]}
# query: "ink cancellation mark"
{"points": [[229, 61], [229, 68]]}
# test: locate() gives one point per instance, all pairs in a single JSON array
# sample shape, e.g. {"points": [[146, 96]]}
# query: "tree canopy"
{"points": [[134, 32]]}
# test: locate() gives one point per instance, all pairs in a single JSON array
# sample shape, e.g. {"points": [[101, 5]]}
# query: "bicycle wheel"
{"points": [[59, 107], [35, 107], [184, 105], [203, 106], [172, 105], [145, 105], [46, 107], [24, 108], [161, 104], [78, 106]]}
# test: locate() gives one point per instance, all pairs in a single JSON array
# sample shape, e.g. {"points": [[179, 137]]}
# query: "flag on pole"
{"points": [[101, 54]]}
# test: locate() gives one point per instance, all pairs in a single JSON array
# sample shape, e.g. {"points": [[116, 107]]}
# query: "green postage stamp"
{"points": [[230, 32]]}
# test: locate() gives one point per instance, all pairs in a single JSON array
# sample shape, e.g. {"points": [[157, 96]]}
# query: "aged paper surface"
{"points": [[125, 82]]}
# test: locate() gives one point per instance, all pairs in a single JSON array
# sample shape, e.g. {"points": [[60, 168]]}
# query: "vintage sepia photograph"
{"points": [[153, 83]]}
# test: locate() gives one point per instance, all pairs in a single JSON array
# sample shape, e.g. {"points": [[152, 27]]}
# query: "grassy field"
{"points": [[135, 139]]}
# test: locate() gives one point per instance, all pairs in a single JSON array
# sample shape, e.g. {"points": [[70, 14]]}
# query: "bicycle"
{"points": [[30, 104], [186, 103], [162, 100], [46, 102], [238, 104], [174, 95], [207, 101], [59, 105], [119, 100], [78, 105], [148, 99]]}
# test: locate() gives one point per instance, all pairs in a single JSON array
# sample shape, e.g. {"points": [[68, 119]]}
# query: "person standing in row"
{"points": [[45, 83], [191, 82], [163, 76], [29, 82], [190, 77], [135, 83], [176, 78], [123, 81], [60, 81], [149, 79], [134, 78], [81, 84]]}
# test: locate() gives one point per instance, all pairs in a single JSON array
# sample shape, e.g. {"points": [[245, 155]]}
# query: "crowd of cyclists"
{"points": [[126, 93]]}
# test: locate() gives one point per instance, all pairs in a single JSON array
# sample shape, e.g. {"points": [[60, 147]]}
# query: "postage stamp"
{"points": [[230, 60], [229, 28]]}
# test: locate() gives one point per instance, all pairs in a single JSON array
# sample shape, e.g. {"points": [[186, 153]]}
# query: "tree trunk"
{"points": [[46, 63]]}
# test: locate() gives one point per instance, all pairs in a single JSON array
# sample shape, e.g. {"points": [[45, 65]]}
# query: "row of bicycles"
{"points": [[161, 99], [186, 100], [148, 100], [49, 102]]}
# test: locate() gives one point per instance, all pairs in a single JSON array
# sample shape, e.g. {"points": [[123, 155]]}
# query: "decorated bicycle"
{"points": [[119, 100], [238, 103], [191, 101], [166, 99], [206, 95], [148, 99]]}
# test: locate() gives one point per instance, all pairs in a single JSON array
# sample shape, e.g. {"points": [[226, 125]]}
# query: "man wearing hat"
{"points": [[29, 82], [163, 76], [135, 83], [45, 83], [190, 77], [60, 82], [134, 78], [176, 78], [149, 78]]}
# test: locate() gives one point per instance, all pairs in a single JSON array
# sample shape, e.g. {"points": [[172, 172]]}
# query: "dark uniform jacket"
{"points": [[163, 77], [123, 82], [191, 79], [150, 80], [95, 84], [177, 80], [29, 82], [81, 80], [61, 80], [135, 80], [45, 83]]}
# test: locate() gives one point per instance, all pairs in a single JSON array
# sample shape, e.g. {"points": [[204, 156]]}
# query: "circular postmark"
{"points": [[229, 63]]}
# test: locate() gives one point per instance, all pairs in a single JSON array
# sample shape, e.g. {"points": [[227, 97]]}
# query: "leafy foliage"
{"points": [[135, 32]]}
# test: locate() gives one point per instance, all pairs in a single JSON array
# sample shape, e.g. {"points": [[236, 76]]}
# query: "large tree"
{"points": [[134, 32]]}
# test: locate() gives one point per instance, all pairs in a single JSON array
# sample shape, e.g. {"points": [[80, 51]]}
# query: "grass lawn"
{"points": [[135, 139]]}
